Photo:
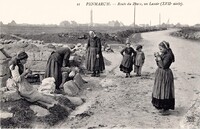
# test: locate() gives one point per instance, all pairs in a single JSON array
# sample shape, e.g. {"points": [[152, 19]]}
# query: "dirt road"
{"points": [[117, 102]]}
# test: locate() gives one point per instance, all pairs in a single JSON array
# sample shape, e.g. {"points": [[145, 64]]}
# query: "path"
{"points": [[120, 102]]}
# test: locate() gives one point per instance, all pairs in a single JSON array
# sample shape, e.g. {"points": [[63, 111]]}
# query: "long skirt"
{"points": [[163, 96], [126, 64], [92, 62], [31, 94], [53, 69]]}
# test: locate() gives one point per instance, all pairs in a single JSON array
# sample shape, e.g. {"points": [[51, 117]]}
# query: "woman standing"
{"points": [[127, 62], [57, 60], [94, 61], [163, 96]]}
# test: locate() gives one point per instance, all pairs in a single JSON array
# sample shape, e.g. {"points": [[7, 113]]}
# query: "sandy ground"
{"points": [[118, 102]]}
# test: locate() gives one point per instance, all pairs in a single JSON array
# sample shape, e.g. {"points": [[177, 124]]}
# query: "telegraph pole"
{"points": [[134, 14], [91, 17], [159, 19]]}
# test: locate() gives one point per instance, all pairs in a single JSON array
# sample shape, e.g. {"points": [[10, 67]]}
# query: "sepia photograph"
{"points": [[100, 64]]}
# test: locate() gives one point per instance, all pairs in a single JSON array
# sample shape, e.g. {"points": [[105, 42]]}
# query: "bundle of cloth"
{"points": [[48, 86]]}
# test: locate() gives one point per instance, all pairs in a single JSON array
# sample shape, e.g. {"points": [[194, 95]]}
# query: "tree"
{"points": [[65, 23]]}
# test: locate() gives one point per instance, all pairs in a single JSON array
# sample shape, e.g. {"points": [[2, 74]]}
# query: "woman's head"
{"points": [[128, 44], [22, 57], [92, 34], [164, 46]]}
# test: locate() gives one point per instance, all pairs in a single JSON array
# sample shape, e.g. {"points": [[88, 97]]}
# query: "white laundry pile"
{"points": [[48, 86]]}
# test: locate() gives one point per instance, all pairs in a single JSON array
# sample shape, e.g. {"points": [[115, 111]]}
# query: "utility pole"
{"points": [[91, 17], [159, 19], [134, 14]]}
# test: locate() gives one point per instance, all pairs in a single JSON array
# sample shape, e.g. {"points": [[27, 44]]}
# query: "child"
{"points": [[139, 60], [127, 61]]}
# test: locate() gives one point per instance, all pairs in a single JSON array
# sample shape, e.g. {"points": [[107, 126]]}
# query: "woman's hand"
{"points": [[156, 54], [27, 71]]}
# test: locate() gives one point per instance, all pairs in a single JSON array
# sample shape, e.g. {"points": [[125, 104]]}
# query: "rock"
{"points": [[4, 70], [39, 110], [70, 88], [51, 46], [77, 101], [79, 81], [5, 114], [11, 96], [3, 80], [89, 89], [2, 55]]}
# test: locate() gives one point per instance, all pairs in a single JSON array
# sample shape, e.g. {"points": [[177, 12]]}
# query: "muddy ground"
{"points": [[118, 102]]}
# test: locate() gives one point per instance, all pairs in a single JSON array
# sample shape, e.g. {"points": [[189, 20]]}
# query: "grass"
{"points": [[25, 117], [56, 34]]}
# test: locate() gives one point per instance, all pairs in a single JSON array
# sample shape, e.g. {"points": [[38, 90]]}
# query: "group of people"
{"points": [[163, 96], [163, 91], [130, 58], [57, 61]]}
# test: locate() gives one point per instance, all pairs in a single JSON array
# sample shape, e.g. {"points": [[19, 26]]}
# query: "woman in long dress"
{"points": [[94, 58], [163, 96], [57, 60], [25, 89]]}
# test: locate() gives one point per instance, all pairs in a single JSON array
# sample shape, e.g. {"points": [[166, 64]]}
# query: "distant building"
{"points": [[115, 23], [144, 25], [1, 23], [12, 23]]}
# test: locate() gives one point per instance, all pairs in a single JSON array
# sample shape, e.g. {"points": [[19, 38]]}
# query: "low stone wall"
{"points": [[188, 33], [4, 71]]}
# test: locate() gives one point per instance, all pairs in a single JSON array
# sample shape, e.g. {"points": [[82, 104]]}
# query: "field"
{"points": [[71, 34]]}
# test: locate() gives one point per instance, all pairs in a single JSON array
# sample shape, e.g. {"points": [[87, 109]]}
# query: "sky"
{"points": [[55, 11]]}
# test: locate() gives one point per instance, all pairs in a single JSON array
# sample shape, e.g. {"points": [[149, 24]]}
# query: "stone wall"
{"points": [[4, 71]]}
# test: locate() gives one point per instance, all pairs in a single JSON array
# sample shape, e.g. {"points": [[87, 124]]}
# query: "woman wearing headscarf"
{"points": [[94, 61], [24, 88], [57, 60], [163, 96]]}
